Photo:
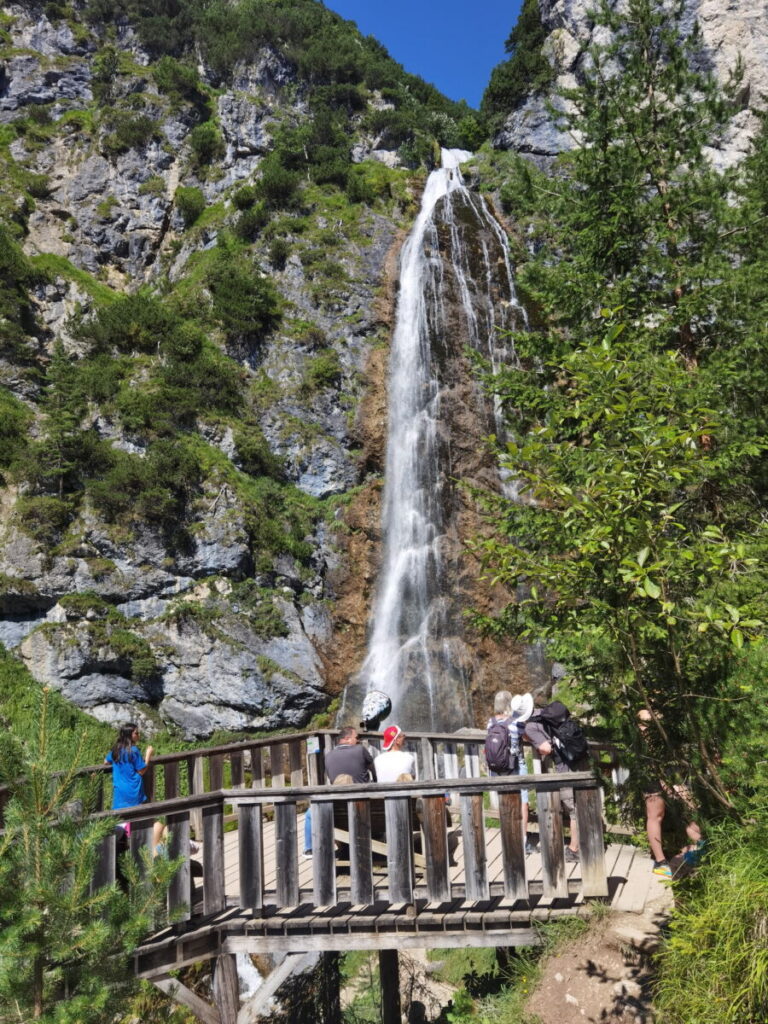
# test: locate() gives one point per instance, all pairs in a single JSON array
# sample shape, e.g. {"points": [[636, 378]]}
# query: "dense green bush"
{"points": [[126, 130], [190, 203], [251, 221], [134, 323], [44, 518], [181, 83], [254, 454], [323, 371], [245, 197], [206, 144], [16, 275], [279, 251], [15, 419], [245, 302], [277, 185]]}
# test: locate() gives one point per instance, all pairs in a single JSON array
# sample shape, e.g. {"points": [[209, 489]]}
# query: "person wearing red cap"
{"points": [[394, 761]]}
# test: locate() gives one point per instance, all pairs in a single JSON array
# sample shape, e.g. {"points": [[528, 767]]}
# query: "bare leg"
{"points": [[654, 810]]}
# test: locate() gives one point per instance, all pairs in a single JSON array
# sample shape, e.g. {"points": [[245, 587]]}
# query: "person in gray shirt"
{"points": [[349, 757]]}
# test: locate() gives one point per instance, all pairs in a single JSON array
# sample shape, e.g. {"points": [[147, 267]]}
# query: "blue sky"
{"points": [[454, 43]]}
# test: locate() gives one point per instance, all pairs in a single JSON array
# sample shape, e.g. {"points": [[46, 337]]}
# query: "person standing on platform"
{"points": [[513, 713], [128, 768], [348, 757]]}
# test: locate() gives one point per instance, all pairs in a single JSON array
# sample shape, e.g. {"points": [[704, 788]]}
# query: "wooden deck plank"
{"points": [[635, 891]]}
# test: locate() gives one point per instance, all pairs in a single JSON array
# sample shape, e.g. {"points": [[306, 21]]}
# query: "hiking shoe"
{"points": [[662, 869], [571, 856], [529, 847]]}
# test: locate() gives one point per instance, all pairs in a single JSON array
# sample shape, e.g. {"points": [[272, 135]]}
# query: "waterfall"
{"points": [[456, 289]]}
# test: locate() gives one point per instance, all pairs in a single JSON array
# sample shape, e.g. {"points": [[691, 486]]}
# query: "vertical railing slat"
{"points": [[360, 851], [287, 854], [323, 853], [180, 888], [591, 845], [251, 856], [257, 767], [513, 845], [213, 857], [433, 825], [277, 764], [397, 812], [236, 769], [473, 838], [295, 762], [551, 843]]}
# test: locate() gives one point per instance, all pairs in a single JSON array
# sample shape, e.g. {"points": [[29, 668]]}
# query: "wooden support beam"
{"points": [[389, 974], [226, 988], [180, 888], [179, 993], [591, 845]]}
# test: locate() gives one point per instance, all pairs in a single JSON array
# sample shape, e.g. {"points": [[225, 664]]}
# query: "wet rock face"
{"points": [[730, 31]]}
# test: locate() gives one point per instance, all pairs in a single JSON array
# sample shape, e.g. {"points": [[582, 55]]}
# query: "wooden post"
{"points": [[426, 759], [236, 769], [513, 845], [551, 842], [257, 767], [195, 773], [180, 888], [295, 749], [171, 780], [436, 848], [389, 973], [226, 990], [399, 849], [591, 847], [215, 772], [106, 864], [360, 854], [323, 851], [473, 836], [251, 854], [276, 764], [286, 855], [141, 838], [213, 858]]}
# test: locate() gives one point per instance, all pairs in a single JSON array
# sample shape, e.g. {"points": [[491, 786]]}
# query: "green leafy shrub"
{"points": [[277, 185], [15, 419], [324, 371], [125, 131], [190, 203], [251, 221], [245, 302], [279, 251], [134, 323], [85, 603], [180, 82], [154, 186], [44, 518], [16, 275], [254, 453], [258, 603], [155, 488], [206, 144], [245, 197], [713, 969]]}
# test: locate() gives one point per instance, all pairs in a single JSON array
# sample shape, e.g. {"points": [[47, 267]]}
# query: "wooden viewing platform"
{"points": [[390, 868]]}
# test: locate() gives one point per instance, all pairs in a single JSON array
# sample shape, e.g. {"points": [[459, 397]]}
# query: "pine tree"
{"points": [[64, 948], [642, 453]]}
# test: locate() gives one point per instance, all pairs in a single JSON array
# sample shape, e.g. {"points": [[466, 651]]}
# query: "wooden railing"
{"points": [[297, 759], [404, 882]]}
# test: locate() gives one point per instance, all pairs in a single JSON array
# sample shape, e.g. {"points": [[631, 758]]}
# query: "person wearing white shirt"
{"points": [[394, 761]]}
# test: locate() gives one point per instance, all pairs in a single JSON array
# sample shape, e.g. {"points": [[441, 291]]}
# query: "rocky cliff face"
{"points": [[214, 633], [730, 32]]}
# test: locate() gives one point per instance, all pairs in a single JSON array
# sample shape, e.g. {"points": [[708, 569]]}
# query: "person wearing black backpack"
{"points": [[504, 743], [559, 739]]}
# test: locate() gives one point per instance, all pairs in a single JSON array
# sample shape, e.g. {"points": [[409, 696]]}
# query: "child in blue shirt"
{"points": [[128, 767]]}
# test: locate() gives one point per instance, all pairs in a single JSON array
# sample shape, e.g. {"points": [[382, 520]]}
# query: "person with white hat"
{"points": [[514, 712]]}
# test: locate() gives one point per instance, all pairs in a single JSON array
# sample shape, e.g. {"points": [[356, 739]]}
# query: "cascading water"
{"points": [[456, 290]]}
